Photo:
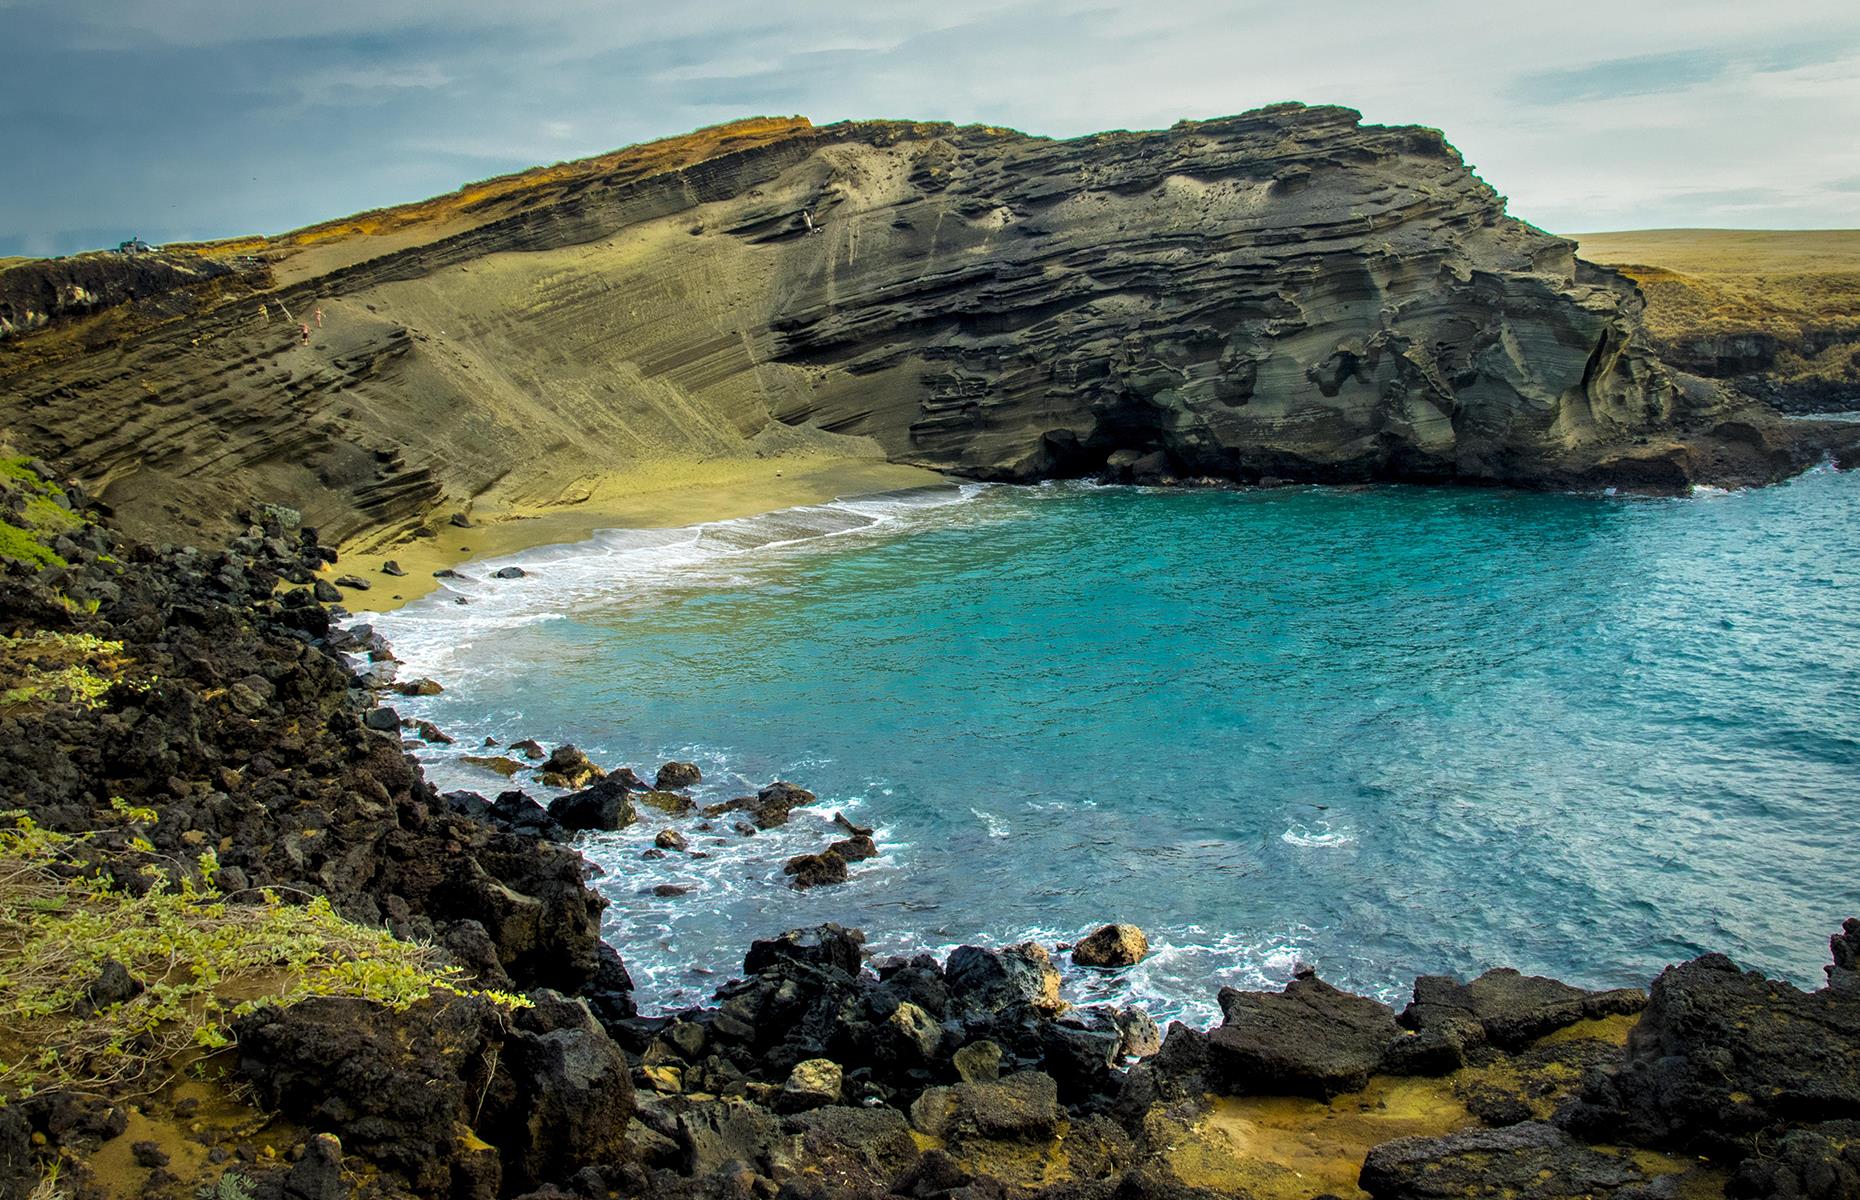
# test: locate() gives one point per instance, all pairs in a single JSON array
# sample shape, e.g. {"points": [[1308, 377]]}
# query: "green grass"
{"points": [[204, 961]]}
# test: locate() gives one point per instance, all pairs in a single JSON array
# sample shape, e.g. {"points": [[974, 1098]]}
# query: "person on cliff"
{"points": [[264, 315], [319, 316], [303, 327]]}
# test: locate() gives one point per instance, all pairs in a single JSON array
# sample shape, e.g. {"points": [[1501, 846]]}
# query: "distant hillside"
{"points": [[1778, 312]]}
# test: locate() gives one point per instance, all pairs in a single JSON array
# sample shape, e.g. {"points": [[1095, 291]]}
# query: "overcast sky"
{"points": [[197, 118]]}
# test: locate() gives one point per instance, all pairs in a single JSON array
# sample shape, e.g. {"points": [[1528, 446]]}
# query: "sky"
{"points": [[177, 119]]}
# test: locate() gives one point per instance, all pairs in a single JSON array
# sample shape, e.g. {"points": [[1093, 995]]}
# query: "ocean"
{"points": [[1384, 730]]}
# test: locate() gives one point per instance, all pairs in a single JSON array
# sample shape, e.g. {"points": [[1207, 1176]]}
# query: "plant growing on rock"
{"points": [[103, 986]]}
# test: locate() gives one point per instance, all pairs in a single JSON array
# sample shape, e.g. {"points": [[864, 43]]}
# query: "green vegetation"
{"points": [[46, 668], [201, 961], [23, 534]]}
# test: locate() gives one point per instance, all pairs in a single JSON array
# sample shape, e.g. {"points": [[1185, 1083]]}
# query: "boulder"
{"points": [[858, 1151], [669, 839], [419, 687], [382, 720], [325, 592], [318, 1174], [573, 1093], [1112, 946], [568, 767], [390, 567], [494, 762], [1309, 1040], [605, 805], [509, 573], [672, 803], [978, 1062], [826, 946], [815, 870], [988, 981], [857, 848], [769, 807], [1020, 1107], [1522, 1162], [714, 1133], [814, 1083], [431, 733], [529, 748], [1723, 1061], [675, 775], [1512, 1009], [353, 582]]}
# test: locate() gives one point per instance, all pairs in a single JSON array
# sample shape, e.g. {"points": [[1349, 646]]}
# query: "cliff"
{"points": [[1774, 313], [1286, 294]]}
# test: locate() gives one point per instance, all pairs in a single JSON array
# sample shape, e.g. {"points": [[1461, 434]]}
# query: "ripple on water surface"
{"points": [[1388, 731]]}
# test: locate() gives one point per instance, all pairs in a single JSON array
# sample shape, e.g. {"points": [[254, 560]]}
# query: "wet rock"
{"points": [[675, 775], [1141, 1037], [1020, 1107], [988, 981], [509, 573], [529, 748], [671, 803], [1724, 1060], [1844, 972], [857, 848], [815, 870], [1112, 946], [419, 687], [382, 720], [812, 1084], [568, 767], [826, 946], [430, 732], [840, 820], [497, 762], [1523, 1162], [769, 807], [1512, 1009], [605, 805], [669, 839], [1309, 1040]]}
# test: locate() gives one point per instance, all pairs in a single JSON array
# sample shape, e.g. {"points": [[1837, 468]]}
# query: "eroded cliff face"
{"points": [[1284, 294]]}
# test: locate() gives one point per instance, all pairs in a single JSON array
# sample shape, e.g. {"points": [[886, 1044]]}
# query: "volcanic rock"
{"points": [[1309, 1040], [675, 775], [1525, 1162], [1112, 946]]}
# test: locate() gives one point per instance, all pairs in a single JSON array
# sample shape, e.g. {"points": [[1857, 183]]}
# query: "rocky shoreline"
{"points": [[221, 744]]}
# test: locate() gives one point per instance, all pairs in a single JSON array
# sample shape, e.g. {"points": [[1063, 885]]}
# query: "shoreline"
{"points": [[669, 495]]}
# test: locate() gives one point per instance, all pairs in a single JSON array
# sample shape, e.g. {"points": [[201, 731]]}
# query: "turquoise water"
{"points": [[1388, 730]]}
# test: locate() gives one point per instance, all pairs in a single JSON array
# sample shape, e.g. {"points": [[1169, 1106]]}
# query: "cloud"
{"points": [[208, 117]]}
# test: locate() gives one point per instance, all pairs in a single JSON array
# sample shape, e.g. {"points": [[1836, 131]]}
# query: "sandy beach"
{"points": [[668, 494]]}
